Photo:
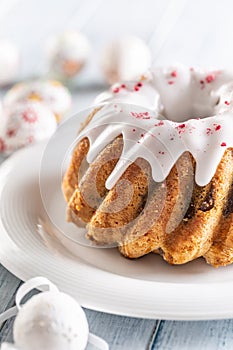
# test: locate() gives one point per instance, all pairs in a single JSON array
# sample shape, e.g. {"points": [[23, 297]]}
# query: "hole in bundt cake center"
{"points": [[183, 107], [185, 115]]}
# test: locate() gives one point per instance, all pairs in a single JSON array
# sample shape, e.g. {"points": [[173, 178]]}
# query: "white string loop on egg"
{"points": [[29, 285]]}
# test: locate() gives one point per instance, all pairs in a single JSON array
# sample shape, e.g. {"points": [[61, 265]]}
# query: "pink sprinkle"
{"points": [[2, 145], [141, 115], [161, 123], [223, 144], [134, 130], [218, 127], [11, 132], [174, 74], [181, 126], [139, 84], [209, 78], [227, 103], [191, 69], [202, 84], [116, 90], [208, 131], [171, 82], [31, 139], [136, 88], [123, 86]]}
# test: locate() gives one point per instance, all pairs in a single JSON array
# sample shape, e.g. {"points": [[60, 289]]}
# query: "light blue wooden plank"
{"points": [[8, 287], [123, 333], [202, 335], [6, 334]]}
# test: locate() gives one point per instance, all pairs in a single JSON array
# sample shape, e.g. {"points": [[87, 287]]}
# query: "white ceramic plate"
{"points": [[99, 279]]}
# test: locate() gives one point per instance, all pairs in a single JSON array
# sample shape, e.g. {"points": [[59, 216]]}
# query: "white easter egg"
{"points": [[52, 93], [67, 53], [25, 124], [125, 59], [9, 61], [51, 321]]}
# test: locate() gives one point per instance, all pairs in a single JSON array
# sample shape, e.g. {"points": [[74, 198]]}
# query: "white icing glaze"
{"points": [[56, 97], [146, 95], [202, 99]]}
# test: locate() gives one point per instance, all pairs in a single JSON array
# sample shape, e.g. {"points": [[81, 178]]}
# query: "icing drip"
{"points": [[161, 142]]}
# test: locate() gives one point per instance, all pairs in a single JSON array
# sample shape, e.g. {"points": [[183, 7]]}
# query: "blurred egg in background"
{"points": [[67, 53], [56, 52], [125, 59]]}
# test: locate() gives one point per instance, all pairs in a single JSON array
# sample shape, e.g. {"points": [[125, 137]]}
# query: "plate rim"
{"points": [[183, 294]]}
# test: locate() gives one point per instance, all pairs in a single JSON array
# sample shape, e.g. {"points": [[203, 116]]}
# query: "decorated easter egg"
{"points": [[51, 93], [25, 124]]}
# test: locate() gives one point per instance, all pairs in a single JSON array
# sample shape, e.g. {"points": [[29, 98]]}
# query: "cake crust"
{"points": [[157, 181]]}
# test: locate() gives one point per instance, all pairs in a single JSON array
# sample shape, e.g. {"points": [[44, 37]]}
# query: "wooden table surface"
{"points": [[29, 23], [124, 333]]}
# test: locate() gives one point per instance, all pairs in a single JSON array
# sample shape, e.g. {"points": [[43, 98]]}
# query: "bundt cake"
{"points": [[152, 169]]}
